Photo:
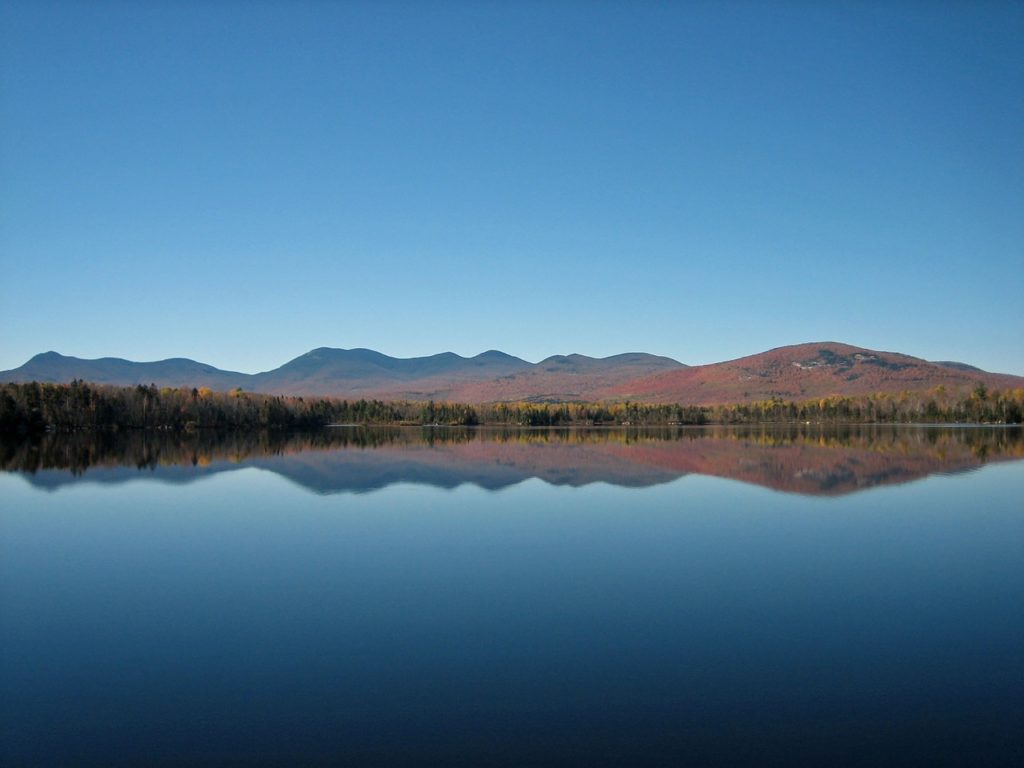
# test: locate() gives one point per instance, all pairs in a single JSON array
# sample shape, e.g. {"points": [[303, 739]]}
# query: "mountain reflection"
{"points": [[796, 459]]}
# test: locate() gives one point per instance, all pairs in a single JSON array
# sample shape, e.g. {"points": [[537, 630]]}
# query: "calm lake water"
{"points": [[496, 597]]}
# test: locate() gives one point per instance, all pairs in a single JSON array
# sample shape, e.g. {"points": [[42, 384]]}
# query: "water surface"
{"points": [[492, 597]]}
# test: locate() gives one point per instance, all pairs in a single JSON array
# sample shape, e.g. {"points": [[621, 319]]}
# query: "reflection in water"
{"points": [[808, 460], [249, 621]]}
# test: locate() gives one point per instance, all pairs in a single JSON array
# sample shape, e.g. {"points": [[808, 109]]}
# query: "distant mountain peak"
{"points": [[497, 353]]}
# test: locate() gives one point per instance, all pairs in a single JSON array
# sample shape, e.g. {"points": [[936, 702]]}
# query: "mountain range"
{"points": [[795, 372]]}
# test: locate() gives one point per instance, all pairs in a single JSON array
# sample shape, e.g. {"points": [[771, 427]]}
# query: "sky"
{"points": [[239, 183]]}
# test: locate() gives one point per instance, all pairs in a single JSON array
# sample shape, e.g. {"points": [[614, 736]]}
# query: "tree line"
{"points": [[81, 405], [34, 407]]}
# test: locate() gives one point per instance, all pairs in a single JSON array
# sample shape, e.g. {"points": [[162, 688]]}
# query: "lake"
{"points": [[514, 597]]}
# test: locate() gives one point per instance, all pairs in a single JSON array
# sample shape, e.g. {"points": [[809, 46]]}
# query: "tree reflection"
{"points": [[794, 458]]}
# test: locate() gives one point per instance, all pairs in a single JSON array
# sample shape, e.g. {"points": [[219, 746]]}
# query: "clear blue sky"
{"points": [[239, 183]]}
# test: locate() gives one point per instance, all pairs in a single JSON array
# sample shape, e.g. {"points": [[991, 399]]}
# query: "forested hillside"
{"points": [[793, 373]]}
